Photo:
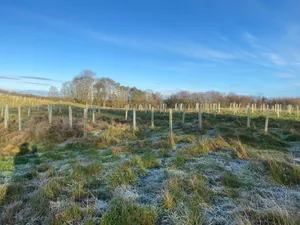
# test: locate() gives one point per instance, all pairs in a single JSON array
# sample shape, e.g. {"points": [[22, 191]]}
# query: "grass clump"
{"points": [[139, 163], [13, 193], [40, 204], [164, 153], [184, 139], [3, 189], [75, 215], [231, 180], [118, 130], [292, 137], [110, 158], [127, 172], [179, 161], [123, 212], [166, 144], [124, 174], [52, 188], [284, 173], [6, 164], [50, 156], [106, 141], [207, 146], [8, 216], [189, 189], [150, 160], [192, 193], [79, 193], [281, 217], [239, 150], [82, 171]]}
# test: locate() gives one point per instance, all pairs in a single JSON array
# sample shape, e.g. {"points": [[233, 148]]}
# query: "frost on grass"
{"points": [[226, 174]]}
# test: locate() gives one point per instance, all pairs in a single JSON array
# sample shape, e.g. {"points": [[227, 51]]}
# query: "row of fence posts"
{"points": [[5, 111]]}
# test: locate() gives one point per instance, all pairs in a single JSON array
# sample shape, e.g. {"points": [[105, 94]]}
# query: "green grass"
{"points": [[192, 192], [82, 171], [231, 180], [53, 188], [50, 156], [207, 146], [284, 173], [124, 174], [67, 184], [127, 212], [6, 164], [179, 161], [76, 215], [150, 160]]}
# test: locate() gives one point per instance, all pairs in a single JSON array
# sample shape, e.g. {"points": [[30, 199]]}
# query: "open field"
{"points": [[224, 174]]}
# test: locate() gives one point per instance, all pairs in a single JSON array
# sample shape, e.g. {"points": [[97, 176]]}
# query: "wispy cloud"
{"points": [[184, 48], [36, 78], [285, 75], [9, 78], [197, 51], [275, 59], [250, 48], [249, 37], [36, 83]]}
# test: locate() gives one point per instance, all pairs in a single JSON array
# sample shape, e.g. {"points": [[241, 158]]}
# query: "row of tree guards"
{"points": [[198, 108]]}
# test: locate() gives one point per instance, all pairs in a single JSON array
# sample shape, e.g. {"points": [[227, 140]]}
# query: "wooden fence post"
{"points": [[197, 107], [85, 118], [93, 111], [183, 115], [70, 117], [152, 117], [6, 117], [267, 120], [215, 109], [50, 113], [134, 119], [126, 113], [171, 124], [20, 118], [234, 108], [200, 118], [248, 116], [29, 110]]}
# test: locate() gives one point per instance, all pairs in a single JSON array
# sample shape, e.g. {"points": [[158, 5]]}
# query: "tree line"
{"points": [[87, 89]]}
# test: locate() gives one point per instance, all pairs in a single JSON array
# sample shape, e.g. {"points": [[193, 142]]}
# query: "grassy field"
{"points": [[225, 174]]}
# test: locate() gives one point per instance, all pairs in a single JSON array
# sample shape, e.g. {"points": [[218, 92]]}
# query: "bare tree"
{"points": [[53, 92], [83, 86]]}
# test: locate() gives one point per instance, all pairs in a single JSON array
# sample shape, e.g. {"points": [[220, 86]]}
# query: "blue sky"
{"points": [[242, 46]]}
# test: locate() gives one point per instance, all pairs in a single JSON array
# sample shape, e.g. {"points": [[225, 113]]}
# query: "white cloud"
{"points": [[275, 59], [249, 37], [285, 75]]}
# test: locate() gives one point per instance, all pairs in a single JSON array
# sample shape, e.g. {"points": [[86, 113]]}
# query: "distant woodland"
{"points": [[86, 88]]}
